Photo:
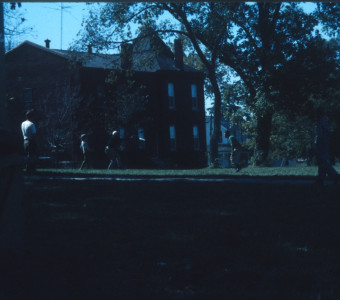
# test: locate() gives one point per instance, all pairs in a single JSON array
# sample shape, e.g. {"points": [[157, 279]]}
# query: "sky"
{"points": [[58, 22]]}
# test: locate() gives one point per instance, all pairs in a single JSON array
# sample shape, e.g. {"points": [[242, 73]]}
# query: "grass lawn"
{"points": [[304, 171], [178, 240]]}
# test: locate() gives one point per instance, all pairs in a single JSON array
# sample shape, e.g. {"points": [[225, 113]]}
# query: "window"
{"points": [[141, 133], [171, 95], [172, 138], [196, 138], [194, 99], [141, 139], [121, 133]]}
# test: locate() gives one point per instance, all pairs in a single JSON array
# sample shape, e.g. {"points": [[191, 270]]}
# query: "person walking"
{"points": [[85, 149], [113, 150], [322, 148], [29, 132], [236, 149]]}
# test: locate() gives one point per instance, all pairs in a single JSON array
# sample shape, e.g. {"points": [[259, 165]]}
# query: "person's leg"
{"points": [[26, 151], [237, 156], [321, 170], [83, 162], [32, 154], [119, 160], [329, 169]]}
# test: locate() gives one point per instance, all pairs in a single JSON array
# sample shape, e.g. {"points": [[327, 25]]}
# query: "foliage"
{"points": [[308, 79], [121, 103], [58, 123], [126, 102], [292, 138], [329, 13], [286, 68]]}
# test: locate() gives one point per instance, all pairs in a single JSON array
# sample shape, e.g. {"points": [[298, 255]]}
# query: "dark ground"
{"points": [[177, 240]]}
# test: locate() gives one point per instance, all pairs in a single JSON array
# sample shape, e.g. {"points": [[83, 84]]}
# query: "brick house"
{"points": [[68, 87]]}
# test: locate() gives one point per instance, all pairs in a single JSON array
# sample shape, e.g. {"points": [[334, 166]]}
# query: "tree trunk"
{"points": [[263, 132], [2, 69], [214, 139]]}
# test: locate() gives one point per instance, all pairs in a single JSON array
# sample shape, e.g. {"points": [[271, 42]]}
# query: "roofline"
{"points": [[55, 52], [51, 51]]}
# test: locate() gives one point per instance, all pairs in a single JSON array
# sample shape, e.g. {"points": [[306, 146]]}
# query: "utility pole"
{"points": [[2, 68]]}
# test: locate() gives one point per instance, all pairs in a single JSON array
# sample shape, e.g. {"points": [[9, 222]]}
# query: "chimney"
{"points": [[178, 54], [47, 43], [126, 56], [89, 49]]}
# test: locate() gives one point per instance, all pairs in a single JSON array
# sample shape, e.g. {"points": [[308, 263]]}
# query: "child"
{"points": [[84, 146]]}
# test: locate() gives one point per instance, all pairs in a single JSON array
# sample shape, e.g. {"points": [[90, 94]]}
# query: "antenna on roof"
{"points": [[61, 25], [62, 8]]}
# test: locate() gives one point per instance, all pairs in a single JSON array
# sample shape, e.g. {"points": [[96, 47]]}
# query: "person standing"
{"points": [[85, 149], [322, 148], [236, 149], [113, 150], [29, 132]]}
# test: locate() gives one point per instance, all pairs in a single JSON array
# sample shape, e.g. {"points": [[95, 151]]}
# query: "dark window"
{"points": [[196, 138], [171, 95], [194, 99], [172, 138]]}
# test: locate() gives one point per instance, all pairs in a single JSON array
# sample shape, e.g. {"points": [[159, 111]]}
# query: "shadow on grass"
{"points": [[178, 240]]}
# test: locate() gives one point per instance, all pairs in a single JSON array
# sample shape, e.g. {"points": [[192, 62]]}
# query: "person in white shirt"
{"points": [[85, 149], [29, 132]]}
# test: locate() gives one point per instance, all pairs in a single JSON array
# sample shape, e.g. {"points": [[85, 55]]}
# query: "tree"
{"points": [[266, 36], [113, 22], [255, 40], [308, 79], [2, 68], [58, 122], [126, 102], [15, 25]]}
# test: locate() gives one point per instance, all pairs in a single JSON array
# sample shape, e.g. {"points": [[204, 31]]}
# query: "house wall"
{"points": [[48, 74], [29, 67], [36, 75], [182, 117]]}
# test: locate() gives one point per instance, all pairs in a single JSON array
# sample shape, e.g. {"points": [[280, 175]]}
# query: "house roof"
{"points": [[149, 54]]}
